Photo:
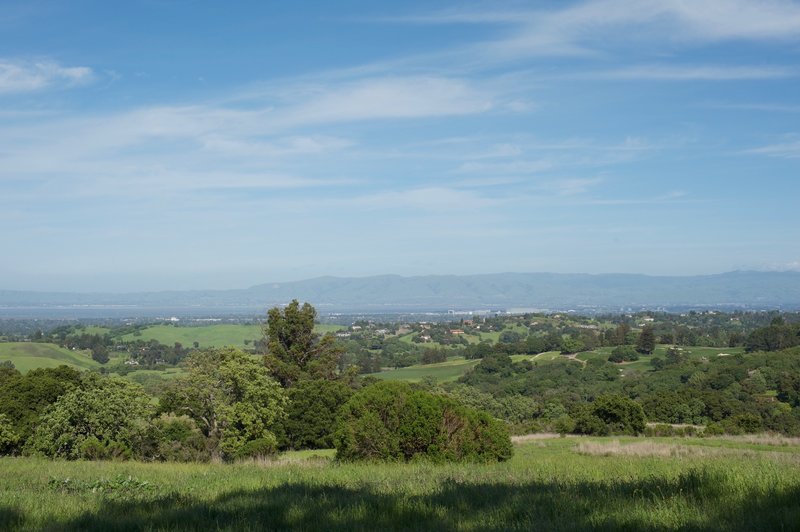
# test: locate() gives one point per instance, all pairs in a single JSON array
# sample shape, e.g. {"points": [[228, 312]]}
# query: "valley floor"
{"points": [[551, 483]]}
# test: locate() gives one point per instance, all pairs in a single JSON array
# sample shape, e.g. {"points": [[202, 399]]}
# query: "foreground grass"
{"points": [[548, 484]]}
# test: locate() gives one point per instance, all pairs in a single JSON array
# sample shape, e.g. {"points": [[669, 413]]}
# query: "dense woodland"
{"points": [[297, 389]]}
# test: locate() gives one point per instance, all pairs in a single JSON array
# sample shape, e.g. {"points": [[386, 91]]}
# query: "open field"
{"points": [[442, 372], [28, 355], [218, 335], [207, 336], [550, 484]]}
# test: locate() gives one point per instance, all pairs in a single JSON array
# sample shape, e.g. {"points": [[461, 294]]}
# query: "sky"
{"points": [[165, 144]]}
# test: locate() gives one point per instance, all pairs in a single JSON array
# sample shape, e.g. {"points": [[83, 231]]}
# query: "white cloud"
{"points": [[21, 76], [690, 73], [586, 27], [786, 150], [382, 98]]}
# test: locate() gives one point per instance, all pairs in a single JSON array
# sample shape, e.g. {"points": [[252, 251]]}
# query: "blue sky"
{"points": [[183, 144]]}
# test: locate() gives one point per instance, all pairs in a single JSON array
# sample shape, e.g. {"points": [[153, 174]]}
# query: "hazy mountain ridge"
{"points": [[436, 292]]}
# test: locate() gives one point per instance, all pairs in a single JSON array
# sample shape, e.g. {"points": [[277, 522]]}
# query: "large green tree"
{"points": [[232, 398], [294, 351], [107, 417], [646, 343], [311, 413], [23, 398]]}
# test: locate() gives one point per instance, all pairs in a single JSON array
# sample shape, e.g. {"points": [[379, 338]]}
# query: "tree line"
{"points": [[233, 405]]}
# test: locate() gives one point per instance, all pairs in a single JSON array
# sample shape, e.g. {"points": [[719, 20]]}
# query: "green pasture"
{"points": [[325, 328], [217, 335], [93, 329], [29, 355], [443, 371], [549, 484]]}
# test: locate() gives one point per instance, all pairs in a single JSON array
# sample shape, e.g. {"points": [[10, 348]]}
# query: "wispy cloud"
{"points": [[373, 98], [28, 76], [690, 73], [786, 150], [587, 27]]}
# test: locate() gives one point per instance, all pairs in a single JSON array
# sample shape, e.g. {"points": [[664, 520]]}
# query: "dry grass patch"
{"points": [[765, 439], [537, 436], [670, 450]]}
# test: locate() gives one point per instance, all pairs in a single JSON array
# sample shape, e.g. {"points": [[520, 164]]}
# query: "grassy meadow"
{"points": [[442, 371], [217, 335], [28, 355], [551, 483]]}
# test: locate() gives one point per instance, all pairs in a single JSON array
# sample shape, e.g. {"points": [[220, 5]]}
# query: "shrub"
{"points": [[259, 448], [311, 413], [112, 411], [176, 439], [623, 353], [393, 421], [621, 414], [93, 449], [8, 438], [586, 422]]}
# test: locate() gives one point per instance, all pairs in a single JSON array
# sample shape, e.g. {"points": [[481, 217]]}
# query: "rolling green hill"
{"points": [[27, 356], [456, 367]]}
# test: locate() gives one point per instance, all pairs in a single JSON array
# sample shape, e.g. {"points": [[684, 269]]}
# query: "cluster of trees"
{"points": [[774, 337], [231, 405], [732, 394]]}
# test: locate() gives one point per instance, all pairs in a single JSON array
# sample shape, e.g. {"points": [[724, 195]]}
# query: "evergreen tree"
{"points": [[646, 343]]}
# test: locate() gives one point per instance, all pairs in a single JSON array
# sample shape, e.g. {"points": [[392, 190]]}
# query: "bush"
{"points": [[112, 412], [8, 438], [93, 449], [623, 353], [260, 448], [393, 421], [621, 414], [176, 439], [311, 413], [586, 422]]}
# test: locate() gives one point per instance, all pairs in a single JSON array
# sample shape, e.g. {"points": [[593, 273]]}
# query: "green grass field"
{"points": [[28, 355], [550, 484], [442, 372], [217, 335], [455, 368]]}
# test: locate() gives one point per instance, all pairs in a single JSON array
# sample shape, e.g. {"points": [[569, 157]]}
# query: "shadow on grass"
{"points": [[9, 518], [696, 501]]}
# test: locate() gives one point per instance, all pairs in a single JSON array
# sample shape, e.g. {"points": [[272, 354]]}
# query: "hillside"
{"points": [[28, 355]]}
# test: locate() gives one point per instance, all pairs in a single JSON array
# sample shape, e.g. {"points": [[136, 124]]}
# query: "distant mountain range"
{"points": [[394, 293]]}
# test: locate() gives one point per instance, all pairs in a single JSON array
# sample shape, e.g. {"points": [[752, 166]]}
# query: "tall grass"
{"points": [[547, 485]]}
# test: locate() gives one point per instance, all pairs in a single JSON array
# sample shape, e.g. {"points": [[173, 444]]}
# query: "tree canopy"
{"points": [[104, 419], [294, 351], [393, 421], [232, 398]]}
